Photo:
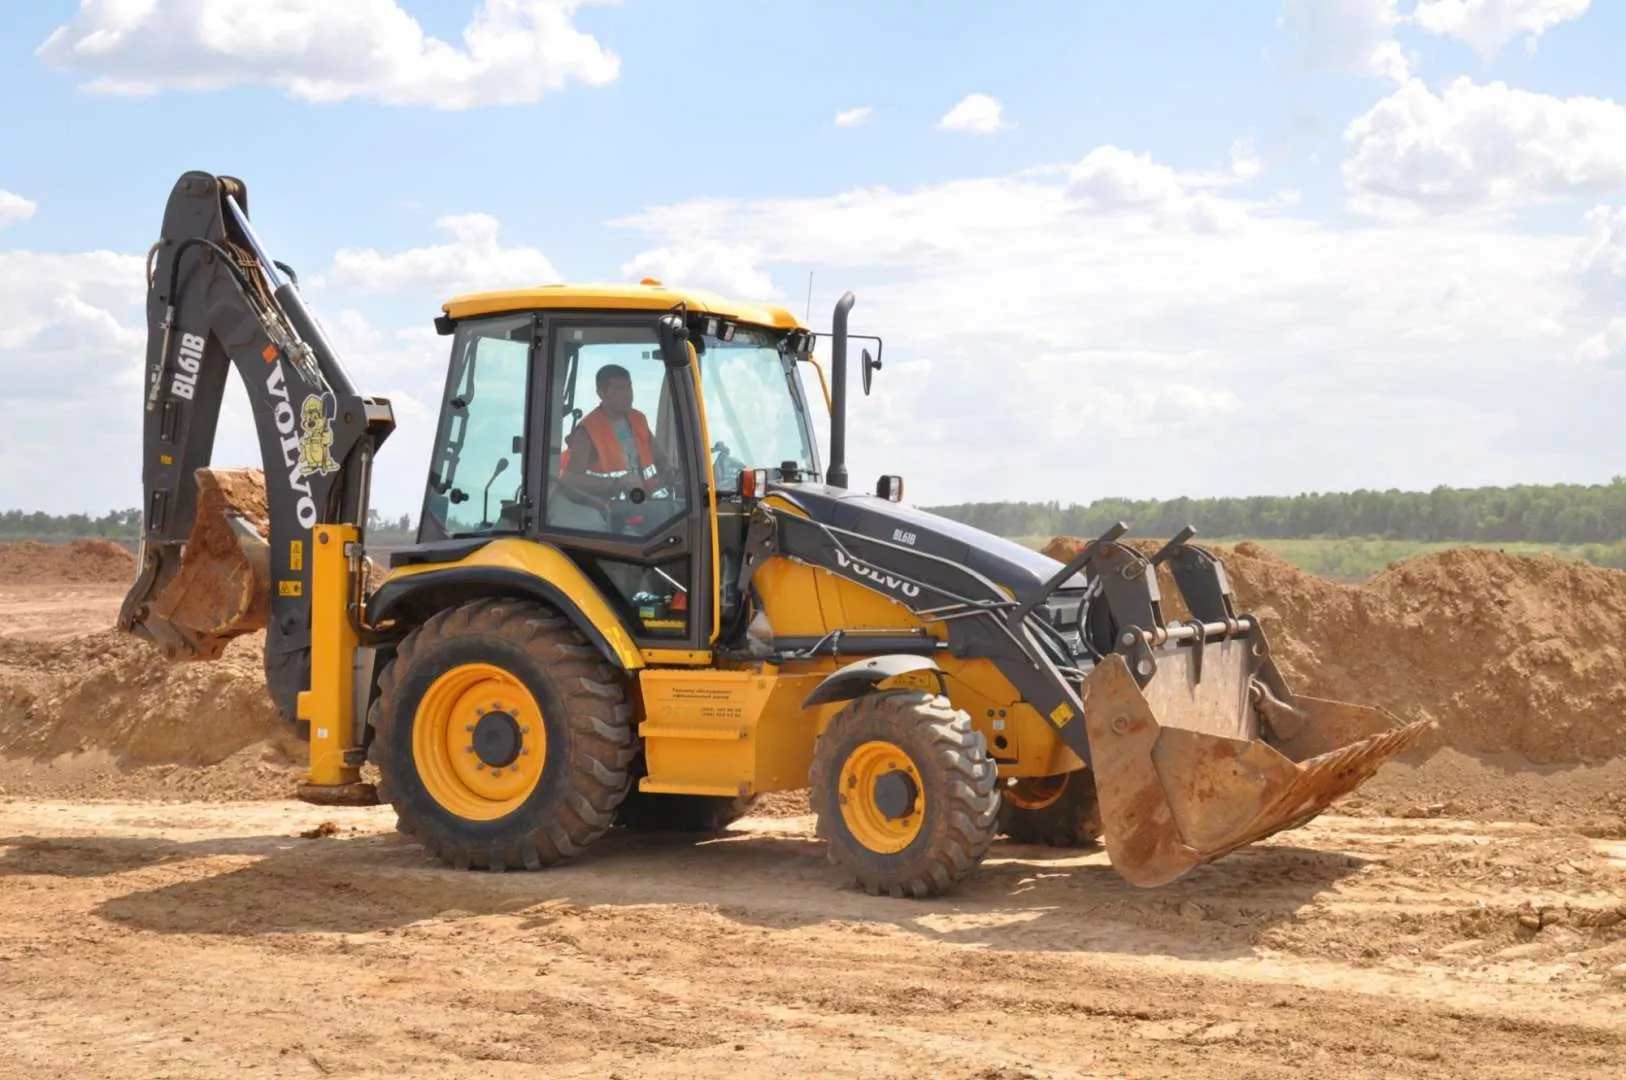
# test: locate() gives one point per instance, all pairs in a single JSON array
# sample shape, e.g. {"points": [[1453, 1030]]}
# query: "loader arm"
{"points": [[1196, 744], [975, 610], [224, 553]]}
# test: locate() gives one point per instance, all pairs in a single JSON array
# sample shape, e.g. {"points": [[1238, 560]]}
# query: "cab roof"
{"points": [[649, 294]]}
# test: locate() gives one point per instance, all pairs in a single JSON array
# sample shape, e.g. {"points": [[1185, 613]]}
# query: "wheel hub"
{"points": [[497, 739], [882, 797], [896, 794], [478, 741]]}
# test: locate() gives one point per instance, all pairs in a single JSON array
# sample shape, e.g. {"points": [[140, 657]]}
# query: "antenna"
{"points": [[809, 316]]}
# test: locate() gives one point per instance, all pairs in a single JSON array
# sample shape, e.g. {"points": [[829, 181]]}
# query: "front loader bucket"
{"points": [[218, 586], [1213, 753]]}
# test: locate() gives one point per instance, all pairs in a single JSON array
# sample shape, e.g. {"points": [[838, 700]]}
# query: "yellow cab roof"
{"points": [[649, 294]]}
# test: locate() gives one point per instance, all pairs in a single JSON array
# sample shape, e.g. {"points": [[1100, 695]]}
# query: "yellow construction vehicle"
{"points": [[638, 598]]}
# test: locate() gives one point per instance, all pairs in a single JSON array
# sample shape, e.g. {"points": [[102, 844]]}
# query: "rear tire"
{"points": [[563, 735], [702, 815], [1032, 811], [904, 793]]}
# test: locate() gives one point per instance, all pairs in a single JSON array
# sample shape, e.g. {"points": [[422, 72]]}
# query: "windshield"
{"points": [[755, 412]]}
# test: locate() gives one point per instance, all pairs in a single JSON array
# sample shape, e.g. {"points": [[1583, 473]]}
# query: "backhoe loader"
{"points": [[639, 598]]}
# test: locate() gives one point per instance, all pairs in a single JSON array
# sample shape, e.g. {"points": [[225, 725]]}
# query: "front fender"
{"points": [[862, 676]]}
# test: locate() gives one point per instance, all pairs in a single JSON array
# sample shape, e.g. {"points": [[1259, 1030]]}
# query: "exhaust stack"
{"points": [[838, 391]]}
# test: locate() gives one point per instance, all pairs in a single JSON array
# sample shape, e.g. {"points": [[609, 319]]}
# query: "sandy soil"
{"points": [[1463, 915], [207, 939]]}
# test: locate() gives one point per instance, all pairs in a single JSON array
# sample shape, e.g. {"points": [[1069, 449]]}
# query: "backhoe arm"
{"points": [[227, 552]]}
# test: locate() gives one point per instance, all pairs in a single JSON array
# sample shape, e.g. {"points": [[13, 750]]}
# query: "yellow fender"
{"points": [[512, 567]]}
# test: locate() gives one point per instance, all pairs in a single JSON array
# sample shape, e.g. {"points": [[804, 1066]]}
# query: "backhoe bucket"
{"points": [[1213, 752], [219, 587]]}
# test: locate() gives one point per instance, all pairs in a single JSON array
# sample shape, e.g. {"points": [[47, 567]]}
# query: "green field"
{"points": [[1357, 558]]}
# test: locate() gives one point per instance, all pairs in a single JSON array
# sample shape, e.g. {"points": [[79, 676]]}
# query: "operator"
{"points": [[611, 452]]}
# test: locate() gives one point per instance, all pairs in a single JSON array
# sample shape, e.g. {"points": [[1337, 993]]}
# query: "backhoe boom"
{"points": [[216, 561]]}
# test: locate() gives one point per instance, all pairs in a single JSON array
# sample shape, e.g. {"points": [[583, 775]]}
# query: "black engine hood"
{"points": [[1002, 561]]}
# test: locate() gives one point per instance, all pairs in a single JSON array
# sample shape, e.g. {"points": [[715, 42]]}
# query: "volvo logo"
{"points": [[886, 581]]}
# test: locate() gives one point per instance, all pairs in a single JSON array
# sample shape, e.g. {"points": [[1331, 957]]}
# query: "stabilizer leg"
{"points": [[336, 754]]}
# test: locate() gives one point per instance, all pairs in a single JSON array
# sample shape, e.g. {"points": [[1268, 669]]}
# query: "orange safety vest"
{"points": [[607, 448]]}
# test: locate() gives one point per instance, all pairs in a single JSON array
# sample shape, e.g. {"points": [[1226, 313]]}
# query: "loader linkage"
{"points": [[1196, 743]]}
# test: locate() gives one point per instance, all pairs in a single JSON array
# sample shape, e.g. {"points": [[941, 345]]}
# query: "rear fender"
{"points": [[505, 568], [863, 676]]}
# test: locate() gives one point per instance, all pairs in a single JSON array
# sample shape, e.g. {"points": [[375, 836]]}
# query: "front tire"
{"points": [[502, 737], [904, 793]]}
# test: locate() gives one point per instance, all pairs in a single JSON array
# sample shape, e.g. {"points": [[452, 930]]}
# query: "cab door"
{"points": [[623, 486]]}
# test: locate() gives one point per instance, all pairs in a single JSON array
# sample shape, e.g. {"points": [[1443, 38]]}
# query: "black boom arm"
{"points": [[215, 300]]}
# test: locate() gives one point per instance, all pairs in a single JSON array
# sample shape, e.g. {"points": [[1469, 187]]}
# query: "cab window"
{"points": [[477, 466], [614, 456]]}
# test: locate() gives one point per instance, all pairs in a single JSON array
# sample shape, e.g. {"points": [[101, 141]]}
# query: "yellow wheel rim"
{"points": [[1036, 792], [478, 742], [878, 777]]}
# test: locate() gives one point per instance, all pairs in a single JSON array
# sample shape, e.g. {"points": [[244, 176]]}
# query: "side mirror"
{"points": [[871, 366], [674, 339], [890, 488]]}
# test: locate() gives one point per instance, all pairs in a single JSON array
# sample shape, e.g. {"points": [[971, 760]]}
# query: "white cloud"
{"points": [[513, 51], [1606, 346], [1482, 146], [1059, 347], [473, 260], [726, 268], [72, 346], [1245, 164], [1109, 178], [1601, 260], [976, 113], [63, 315], [1488, 25], [1348, 37], [14, 208], [852, 117]]}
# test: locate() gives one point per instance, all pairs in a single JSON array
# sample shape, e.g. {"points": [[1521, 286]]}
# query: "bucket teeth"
{"points": [[1323, 780]]}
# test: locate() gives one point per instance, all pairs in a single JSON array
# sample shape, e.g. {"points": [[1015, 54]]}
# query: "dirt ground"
{"points": [[172, 914]]}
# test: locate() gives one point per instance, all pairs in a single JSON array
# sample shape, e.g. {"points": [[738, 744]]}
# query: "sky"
{"points": [[1142, 250]]}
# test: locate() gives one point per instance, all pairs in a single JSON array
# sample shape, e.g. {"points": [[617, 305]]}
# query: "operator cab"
{"points": [[567, 418]]}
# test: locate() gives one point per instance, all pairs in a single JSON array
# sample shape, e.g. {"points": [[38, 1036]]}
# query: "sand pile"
{"points": [[1508, 654], [113, 699], [76, 562]]}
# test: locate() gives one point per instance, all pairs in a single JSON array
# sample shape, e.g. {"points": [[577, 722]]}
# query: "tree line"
{"points": [[1544, 513], [126, 525], [1550, 513]]}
